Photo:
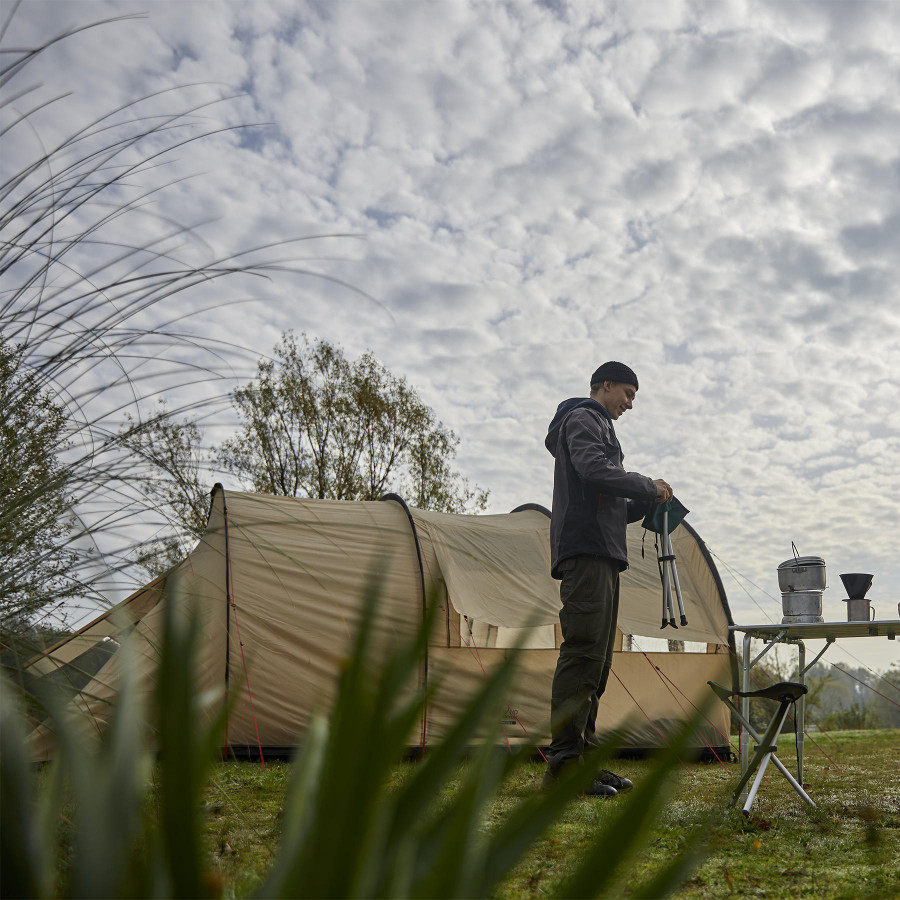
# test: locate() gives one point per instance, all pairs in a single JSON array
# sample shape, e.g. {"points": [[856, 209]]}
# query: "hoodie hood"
{"points": [[562, 411]]}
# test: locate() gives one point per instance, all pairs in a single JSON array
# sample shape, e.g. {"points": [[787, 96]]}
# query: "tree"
{"points": [[170, 477], [429, 482], [317, 425], [36, 563], [887, 701], [92, 321]]}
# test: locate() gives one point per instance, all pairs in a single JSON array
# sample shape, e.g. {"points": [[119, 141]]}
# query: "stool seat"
{"points": [[784, 690]]}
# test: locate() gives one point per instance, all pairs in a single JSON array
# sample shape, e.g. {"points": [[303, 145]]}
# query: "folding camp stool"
{"points": [[787, 693]]}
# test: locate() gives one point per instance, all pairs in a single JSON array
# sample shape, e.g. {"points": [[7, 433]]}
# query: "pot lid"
{"points": [[796, 562]]}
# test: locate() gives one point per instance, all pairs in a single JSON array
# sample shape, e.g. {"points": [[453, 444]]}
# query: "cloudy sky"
{"points": [[709, 192]]}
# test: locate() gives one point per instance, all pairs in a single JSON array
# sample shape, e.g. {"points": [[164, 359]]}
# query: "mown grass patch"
{"points": [[848, 848], [244, 809]]}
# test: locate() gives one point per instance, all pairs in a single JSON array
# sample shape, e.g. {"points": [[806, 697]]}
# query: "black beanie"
{"points": [[614, 371]]}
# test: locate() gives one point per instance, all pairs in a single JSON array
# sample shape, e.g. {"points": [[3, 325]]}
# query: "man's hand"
{"points": [[663, 490]]}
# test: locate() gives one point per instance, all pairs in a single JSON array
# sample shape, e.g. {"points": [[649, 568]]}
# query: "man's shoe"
{"points": [[614, 781], [595, 789], [599, 789]]}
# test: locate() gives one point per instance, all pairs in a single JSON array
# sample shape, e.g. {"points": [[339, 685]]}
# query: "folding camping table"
{"points": [[796, 634]]}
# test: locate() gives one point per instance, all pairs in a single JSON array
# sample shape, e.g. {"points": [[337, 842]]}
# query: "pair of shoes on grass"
{"points": [[620, 783], [606, 784]]}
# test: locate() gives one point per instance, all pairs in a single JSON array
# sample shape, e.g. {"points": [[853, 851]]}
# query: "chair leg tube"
{"points": [[769, 739], [793, 781], [751, 796]]}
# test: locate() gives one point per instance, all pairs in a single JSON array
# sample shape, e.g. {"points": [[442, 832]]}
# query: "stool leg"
{"points": [[793, 782], [783, 769], [768, 741], [751, 796], [681, 613]]}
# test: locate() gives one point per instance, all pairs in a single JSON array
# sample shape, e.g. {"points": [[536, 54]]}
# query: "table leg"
{"points": [[800, 724], [745, 707]]}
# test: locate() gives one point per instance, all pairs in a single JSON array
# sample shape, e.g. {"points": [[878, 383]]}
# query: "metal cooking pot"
{"points": [[802, 573], [801, 603], [801, 620]]}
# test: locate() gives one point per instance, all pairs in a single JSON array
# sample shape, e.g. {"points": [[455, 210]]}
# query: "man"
{"points": [[593, 500]]}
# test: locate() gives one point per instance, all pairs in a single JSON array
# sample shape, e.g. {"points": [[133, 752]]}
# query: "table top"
{"points": [[888, 628]]}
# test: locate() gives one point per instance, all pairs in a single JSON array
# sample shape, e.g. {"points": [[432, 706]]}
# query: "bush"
{"points": [[858, 716]]}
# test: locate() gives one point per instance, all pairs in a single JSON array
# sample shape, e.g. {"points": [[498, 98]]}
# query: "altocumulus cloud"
{"points": [[707, 191]]}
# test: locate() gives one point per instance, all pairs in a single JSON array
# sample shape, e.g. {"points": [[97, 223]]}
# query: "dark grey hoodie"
{"points": [[593, 496]]}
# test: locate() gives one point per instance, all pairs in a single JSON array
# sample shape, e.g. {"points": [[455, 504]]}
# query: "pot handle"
{"points": [[796, 553], [872, 616]]}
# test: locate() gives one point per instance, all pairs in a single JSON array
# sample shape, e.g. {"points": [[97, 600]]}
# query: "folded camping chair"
{"points": [[787, 693]]}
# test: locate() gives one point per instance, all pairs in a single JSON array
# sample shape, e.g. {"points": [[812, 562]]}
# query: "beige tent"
{"points": [[279, 583]]}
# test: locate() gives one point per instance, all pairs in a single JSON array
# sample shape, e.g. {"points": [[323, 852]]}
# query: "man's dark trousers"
{"points": [[590, 604]]}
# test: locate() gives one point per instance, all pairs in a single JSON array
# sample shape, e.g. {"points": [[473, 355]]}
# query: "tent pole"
{"points": [[228, 602], [412, 524]]}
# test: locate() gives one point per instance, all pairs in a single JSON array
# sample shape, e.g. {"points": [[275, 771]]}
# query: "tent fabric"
{"points": [[496, 568], [651, 679], [497, 571], [299, 570], [278, 584]]}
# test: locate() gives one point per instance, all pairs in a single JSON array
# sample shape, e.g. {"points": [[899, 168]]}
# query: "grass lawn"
{"points": [[848, 847]]}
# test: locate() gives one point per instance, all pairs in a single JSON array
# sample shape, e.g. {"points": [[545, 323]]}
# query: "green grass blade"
{"points": [[299, 805], [671, 876], [451, 861], [22, 862], [531, 817], [108, 788], [185, 749], [334, 853], [606, 863], [433, 771]]}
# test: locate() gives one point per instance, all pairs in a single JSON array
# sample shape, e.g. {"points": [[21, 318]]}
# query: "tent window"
{"points": [[474, 633], [637, 643]]}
